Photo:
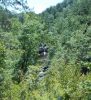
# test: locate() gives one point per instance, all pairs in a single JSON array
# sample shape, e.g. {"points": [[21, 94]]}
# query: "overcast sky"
{"points": [[41, 5]]}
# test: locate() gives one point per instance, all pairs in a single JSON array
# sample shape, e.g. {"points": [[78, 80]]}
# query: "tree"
{"points": [[2, 70], [9, 3]]}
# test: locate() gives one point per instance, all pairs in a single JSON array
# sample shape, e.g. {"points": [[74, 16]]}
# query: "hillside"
{"points": [[46, 56]]}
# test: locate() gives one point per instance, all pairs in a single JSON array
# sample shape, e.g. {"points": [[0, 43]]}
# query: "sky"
{"points": [[39, 6]]}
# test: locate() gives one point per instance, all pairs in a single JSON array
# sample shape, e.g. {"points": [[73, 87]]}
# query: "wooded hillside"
{"points": [[45, 56]]}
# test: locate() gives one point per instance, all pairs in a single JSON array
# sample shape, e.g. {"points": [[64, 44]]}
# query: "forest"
{"points": [[45, 56]]}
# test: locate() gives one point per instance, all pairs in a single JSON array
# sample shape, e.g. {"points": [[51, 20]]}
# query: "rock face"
{"points": [[45, 68], [43, 54], [43, 50], [43, 72]]}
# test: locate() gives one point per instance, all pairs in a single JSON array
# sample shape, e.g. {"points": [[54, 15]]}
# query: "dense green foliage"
{"points": [[66, 30]]}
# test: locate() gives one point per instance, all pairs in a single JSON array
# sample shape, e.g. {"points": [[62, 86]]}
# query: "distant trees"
{"points": [[5, 16]]}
